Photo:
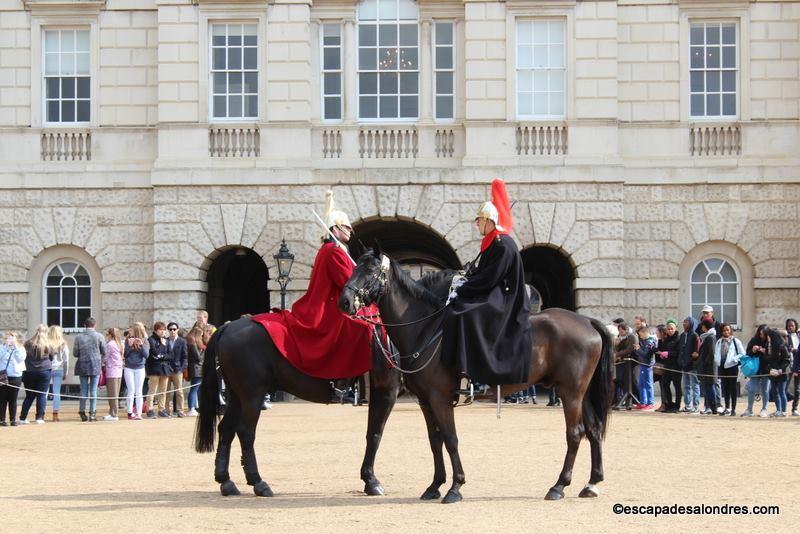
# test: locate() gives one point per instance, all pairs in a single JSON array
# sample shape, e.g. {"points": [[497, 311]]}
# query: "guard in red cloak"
{"points": [[315, 336], [487, 335]]}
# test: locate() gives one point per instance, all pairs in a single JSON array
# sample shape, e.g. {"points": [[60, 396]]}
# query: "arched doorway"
{"points": [[418, 248], [237, 284], [551, 273]]}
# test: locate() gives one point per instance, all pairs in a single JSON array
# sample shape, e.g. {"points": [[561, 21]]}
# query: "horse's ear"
{"points": [[378, 249]]}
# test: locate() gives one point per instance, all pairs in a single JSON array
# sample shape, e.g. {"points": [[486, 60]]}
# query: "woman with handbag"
{"points": [[12, 364], [760, 346], [727, 352]]}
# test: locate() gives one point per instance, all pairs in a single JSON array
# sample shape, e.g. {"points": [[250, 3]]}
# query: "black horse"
{"points": [[252, 366], [570, 351]]}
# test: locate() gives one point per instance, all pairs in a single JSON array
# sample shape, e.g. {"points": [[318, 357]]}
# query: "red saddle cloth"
{"points": [[320, 353], [315, 336]]}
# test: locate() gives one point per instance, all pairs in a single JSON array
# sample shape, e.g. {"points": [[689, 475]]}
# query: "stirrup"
{"points": [[465, 394]]}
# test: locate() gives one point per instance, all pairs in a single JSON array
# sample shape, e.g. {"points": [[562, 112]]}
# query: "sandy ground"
{"points": [[143, 476]]}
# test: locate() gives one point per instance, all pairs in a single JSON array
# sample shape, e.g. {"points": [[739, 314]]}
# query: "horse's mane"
{"points": [[438, 282], [417, 290]]}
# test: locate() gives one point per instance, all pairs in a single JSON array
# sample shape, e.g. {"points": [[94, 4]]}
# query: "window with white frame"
{"points": [[444, 70], [388, 59], [332, 71], [541, 68], [234, 71], [66, 76], [68, 295], [713, 69], [715, 282]]}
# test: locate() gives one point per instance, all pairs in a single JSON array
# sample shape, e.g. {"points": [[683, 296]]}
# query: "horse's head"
{"points": [[367, 283]]}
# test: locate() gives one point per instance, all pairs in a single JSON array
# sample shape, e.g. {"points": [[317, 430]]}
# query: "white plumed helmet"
{"points": [[332, 216]]}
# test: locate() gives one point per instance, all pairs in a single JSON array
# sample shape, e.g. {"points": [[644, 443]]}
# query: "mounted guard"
{"points": [[487, 335], [315, 336]]}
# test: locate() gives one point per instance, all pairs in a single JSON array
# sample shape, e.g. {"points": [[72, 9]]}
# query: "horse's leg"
{"points": [[381, 402], [590, 490], [227, 430], [443, 412], [435, 439], [572, 415], [251, 410]]}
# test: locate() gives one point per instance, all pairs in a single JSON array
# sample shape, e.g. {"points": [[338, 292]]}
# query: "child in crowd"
{"points": [[645, 355]]}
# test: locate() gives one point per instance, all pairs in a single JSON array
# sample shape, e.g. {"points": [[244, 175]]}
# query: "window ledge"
{"points": [[40, 6]]}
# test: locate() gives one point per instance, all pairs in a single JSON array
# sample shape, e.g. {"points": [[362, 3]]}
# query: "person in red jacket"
{"points": [[315, 336]]}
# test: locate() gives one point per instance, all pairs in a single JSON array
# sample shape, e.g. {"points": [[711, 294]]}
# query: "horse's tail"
{"points": [[601, 388], [209, 397]]}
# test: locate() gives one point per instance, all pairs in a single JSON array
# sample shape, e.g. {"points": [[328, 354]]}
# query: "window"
{"points": [[541, 69], [234, 71], [66, 76], [712, 70], [388, 59], [68, 295], [714, 282], [444, 70], [332, 71]]}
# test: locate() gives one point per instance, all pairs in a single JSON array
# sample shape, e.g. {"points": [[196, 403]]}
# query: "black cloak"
{"points": [[487, 335]]}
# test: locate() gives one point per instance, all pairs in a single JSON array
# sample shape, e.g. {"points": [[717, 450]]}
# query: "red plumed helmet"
{"points": [[500, 200]]}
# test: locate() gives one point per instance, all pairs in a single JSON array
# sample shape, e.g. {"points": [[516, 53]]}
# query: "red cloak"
{"points": [[315, 336]]}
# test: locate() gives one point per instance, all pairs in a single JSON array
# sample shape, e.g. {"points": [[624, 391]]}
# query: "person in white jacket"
{"points": [[12, 360], [727, 351]]}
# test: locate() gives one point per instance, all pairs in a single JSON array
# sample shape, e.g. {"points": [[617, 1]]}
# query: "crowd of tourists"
{"points": [[152, 369], [700, 358], [703, 358]]}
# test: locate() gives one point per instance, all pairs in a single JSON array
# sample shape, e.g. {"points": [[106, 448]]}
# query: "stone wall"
{"points": [[15, 72], [115, 229], [128, 68], [775, 60]]}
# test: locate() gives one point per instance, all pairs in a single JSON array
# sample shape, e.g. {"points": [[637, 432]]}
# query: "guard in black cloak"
{"points": [[487, 335]]}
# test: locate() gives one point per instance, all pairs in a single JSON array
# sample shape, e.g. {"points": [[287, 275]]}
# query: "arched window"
{"points": [[68, 295], [715, 282], [388, 59]]}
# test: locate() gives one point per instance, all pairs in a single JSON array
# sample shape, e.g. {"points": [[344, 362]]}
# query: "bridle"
{"points": [[361, 295]]}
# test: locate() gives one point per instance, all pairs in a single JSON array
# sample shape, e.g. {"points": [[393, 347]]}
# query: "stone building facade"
{"points": [[651, 148]]}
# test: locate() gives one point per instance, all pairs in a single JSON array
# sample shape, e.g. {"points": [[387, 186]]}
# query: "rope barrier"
{"points": [[64, 395], [653, 365]]}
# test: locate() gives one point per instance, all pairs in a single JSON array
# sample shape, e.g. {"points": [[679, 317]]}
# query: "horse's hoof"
{"points": [[589, 491], [228, 488], [374, 489], [262, 489], [430, 494], [452, 496], [554, 495]]}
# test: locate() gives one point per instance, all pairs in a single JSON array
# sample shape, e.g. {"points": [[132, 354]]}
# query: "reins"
{"points": [[367, 318], [394, 359]]}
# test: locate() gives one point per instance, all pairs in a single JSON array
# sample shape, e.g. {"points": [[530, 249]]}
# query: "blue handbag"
{"points": [[749, 365]]}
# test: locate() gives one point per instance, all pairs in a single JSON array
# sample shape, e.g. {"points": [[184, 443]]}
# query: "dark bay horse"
{"points": [[570, 351], [252, 366]]}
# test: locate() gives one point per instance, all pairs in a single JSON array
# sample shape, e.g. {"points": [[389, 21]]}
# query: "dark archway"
{"points": [[550, 271], [409, 243], [237, 284]]}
